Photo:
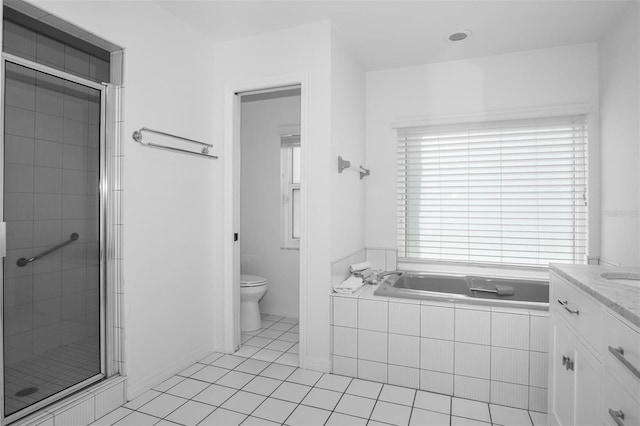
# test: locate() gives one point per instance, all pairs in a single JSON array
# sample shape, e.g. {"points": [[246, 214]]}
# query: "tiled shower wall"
{"points": [[482, 353], [51, 190]]}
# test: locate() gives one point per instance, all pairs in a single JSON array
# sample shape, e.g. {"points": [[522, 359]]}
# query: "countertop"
{"points": [[621, 298]]}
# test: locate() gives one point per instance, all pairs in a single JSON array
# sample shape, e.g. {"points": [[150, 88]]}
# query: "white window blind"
{"points": [[508, 193]]}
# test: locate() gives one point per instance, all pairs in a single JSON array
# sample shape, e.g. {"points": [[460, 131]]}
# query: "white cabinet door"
{"points": [[561, 379], [588, 387]]}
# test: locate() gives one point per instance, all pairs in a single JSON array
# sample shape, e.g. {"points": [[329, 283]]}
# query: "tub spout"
{"points": [[383, 275]]}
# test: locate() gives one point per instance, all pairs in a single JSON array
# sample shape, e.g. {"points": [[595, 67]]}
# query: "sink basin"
{"points": [[627, 278]]}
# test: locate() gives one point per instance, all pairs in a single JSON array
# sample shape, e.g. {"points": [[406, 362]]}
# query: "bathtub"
{"points": [[474, 290]]}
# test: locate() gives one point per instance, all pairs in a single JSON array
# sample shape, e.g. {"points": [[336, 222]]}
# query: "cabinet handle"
{"points": [[567, 363], [619, 353], [618, 416], [565, 304]]}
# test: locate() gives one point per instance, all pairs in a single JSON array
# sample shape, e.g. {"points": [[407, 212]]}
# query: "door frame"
{"points": [[105, 244], [231, 273]]}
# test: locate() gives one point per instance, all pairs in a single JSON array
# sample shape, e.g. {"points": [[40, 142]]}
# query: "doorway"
{"points": [[268, 217]]}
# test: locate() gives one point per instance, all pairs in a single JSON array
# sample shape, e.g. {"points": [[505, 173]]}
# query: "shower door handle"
{"points": [[3, 239]]}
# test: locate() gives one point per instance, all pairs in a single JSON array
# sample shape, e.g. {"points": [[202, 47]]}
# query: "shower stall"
{"points": [[54, 218]]}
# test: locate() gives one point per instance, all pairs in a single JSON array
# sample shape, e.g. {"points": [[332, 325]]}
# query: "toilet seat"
{"points": [[252, 281]]}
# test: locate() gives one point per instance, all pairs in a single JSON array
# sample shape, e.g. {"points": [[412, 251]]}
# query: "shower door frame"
{"points": [[104, 244]]}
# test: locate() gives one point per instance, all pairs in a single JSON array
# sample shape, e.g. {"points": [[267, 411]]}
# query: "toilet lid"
{"points": [[252, 280]]}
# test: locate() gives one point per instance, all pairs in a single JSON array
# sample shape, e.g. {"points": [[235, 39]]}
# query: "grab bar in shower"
{"points": [[23, 262], [204, 151]]}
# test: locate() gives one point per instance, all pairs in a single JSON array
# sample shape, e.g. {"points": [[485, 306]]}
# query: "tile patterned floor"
{"points": [[261, 385], [51, 372]]}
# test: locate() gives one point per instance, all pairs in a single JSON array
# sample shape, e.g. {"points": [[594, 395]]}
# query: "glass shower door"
{"points": [[52, 316]]}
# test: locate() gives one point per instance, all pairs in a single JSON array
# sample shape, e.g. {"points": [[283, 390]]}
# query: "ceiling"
{"points": [[399, 33]]}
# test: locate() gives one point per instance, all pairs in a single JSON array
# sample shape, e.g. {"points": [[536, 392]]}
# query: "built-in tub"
{"points": [[513, 293]]}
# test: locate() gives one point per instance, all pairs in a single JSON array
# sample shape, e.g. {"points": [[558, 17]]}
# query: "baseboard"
{"points": [[316, 364], [136, 389]]}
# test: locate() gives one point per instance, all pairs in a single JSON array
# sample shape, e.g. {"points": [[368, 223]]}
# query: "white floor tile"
{"points": [[470, 409], [292, 392], [191, 369], [428, 418], [259, 342], [222, 417], [137, 419], [271, 334], [235, 379], [113, 417], [338, 419], [433, 402], [169, 383], [246, 351], [322, 398], [162, 405], [191, 413], [290, 320], [281, 326], [255, 421], [394, 414], [461, 421], [210, 373], [290, 337], [289, 359], [275, 410], [539, 419], [274, 318], [215, 395], [267, 355], [142, 399], [165, 422], [228, 361], [397, 395], [295, 349], [507, 416], [188, 388], [333, 382], [279, 345], [307, 416], [304, 377], [355, 406], [278, 371], [243, 402], [364, 388], [253, 366], [262, 385]]}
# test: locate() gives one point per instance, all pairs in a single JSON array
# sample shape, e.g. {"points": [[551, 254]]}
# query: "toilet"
{"points": [[252, 288]]}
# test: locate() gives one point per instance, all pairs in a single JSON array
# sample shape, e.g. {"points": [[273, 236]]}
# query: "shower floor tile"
{"points": [[242, 389], [50, 372]]}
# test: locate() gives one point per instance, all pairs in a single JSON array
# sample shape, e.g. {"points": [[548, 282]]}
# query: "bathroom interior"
{"points": [[271, 160]]}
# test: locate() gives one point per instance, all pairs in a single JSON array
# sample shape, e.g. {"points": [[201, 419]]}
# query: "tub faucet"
{"points": [[382, 275]]}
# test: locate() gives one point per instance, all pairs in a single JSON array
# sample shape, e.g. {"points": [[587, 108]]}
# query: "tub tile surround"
{"points": [[381, 259], [489, 354]]}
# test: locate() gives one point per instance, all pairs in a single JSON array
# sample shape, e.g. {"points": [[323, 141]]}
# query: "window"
{"points": [[503, 193], [290, 190]]}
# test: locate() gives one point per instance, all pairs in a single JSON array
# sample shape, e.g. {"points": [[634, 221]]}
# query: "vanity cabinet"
{"points": [[589, 383]]}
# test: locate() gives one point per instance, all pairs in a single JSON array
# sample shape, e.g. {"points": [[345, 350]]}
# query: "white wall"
{"points": [[619, 76], [169, 213], [523, 80], [260, 224], [347, 140], [291, 55]]}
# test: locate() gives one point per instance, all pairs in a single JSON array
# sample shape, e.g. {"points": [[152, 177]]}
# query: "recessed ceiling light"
{"points": [[458, 35]]}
